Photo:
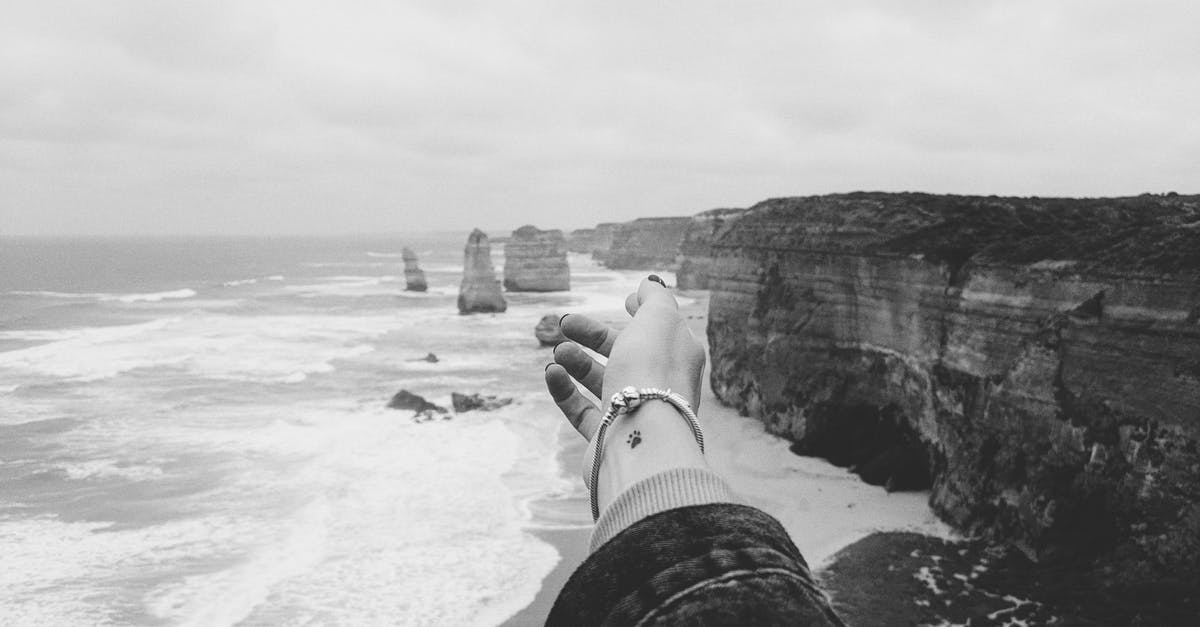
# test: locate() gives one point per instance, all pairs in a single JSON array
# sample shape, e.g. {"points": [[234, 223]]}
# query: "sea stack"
{"points": [[480, 291], [414, 277], [536, 261]]}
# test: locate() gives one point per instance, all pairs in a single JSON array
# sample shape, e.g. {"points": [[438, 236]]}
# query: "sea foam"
{"points": [[399, 520], [149, 297], [259, 348]]}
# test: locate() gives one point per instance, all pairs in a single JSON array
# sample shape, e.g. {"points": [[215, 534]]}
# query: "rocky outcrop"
{"points": [[480, 291], [472, 402], [414, 276], [695, 250], [645, 244], [536, 261], [547, 331], [1038, 355], [408, 400]]}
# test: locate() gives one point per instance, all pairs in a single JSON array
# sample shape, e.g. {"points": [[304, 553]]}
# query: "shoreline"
{"points": [[571, 545], [563, 523]]}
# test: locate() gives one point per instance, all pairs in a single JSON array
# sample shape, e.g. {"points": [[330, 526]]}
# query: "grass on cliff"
{"points": [[1154, 234]]}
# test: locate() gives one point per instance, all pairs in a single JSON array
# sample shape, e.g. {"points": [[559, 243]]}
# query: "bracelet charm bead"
{"points": [[625, 402]]}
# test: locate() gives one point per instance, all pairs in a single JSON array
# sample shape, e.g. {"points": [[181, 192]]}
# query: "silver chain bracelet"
{"points": [[624, 402]]}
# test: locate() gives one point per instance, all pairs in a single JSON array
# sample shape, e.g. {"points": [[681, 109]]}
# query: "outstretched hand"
{"points": [[656, 349]]}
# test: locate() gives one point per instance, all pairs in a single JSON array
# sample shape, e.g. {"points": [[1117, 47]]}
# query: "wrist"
{"points": [[656, 437]]}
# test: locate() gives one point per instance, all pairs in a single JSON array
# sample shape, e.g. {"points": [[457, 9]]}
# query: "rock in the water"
{"points": [[536, 261], [480, 291], [414, 276], [407, 400], [426, 415], [547, 330], [469, 402], [431, 358]]}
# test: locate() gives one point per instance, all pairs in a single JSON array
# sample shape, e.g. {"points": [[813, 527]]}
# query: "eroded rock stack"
{"points": [[414, 276], [536, 261], [695, 250], [1041, 355], [480, 291]]}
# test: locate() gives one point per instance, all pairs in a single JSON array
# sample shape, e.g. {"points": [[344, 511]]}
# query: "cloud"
{"points": [[306, 117]]}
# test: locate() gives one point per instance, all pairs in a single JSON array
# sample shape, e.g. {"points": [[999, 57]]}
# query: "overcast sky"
{"points": [[303, 117]]}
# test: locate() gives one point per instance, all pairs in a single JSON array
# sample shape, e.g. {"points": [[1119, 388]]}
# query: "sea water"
{"points": [[194, 432]]}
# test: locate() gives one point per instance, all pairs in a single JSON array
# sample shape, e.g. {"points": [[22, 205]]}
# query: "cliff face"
{"points": [[1037, 361], [536, 261], [580, 240], [480, 291], [645, 244], [592, 241], [414, 277], [695, 250]]}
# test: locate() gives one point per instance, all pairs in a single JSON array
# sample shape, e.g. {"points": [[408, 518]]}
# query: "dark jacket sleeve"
{"points": [[715, 564]]}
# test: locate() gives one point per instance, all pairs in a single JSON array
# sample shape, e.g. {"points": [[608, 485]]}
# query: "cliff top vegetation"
{"points": [[1147, 234]]}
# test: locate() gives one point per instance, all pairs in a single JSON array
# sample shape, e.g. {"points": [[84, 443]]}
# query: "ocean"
{"points": [[194, 432]]}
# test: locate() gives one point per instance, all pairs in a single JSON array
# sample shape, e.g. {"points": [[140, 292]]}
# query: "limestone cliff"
{"points": [[695, 250], [536, 261], [480, 291], [592, 241], [1038, 360], [580, 240], [414, 276], [645, 244]]}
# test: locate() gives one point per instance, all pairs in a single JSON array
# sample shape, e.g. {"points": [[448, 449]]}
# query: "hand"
{"points": [[655, 350]]}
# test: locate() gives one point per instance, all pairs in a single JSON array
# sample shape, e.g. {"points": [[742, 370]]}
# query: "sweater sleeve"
{"points": [[711, 564], [679, 487]]}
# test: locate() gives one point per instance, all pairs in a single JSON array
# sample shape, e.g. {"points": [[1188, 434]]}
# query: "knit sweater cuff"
{"points": [[678, 487]]}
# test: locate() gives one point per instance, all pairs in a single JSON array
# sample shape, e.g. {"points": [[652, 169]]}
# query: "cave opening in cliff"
{"points": [[876, 443]]}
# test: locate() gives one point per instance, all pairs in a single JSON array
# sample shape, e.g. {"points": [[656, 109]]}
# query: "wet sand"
{"points": [[572, 547]]}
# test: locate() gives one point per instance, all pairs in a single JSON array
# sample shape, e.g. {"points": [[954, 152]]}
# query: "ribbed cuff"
{"points": [[678, 487]]}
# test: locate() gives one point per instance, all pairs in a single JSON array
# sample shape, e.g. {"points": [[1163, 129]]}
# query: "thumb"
{"points": [[652, 290]]}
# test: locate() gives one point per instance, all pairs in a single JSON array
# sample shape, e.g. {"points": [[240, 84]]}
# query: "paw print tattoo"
{"points": [[634, 439]]}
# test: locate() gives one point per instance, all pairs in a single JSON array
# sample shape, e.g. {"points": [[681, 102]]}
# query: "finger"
{"points": [[580, 412], [580, 366], [631, 303], [588, 332], [652, 290]]}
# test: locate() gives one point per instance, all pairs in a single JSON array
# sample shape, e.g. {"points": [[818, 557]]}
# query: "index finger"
{"points": [[588, 332]]}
